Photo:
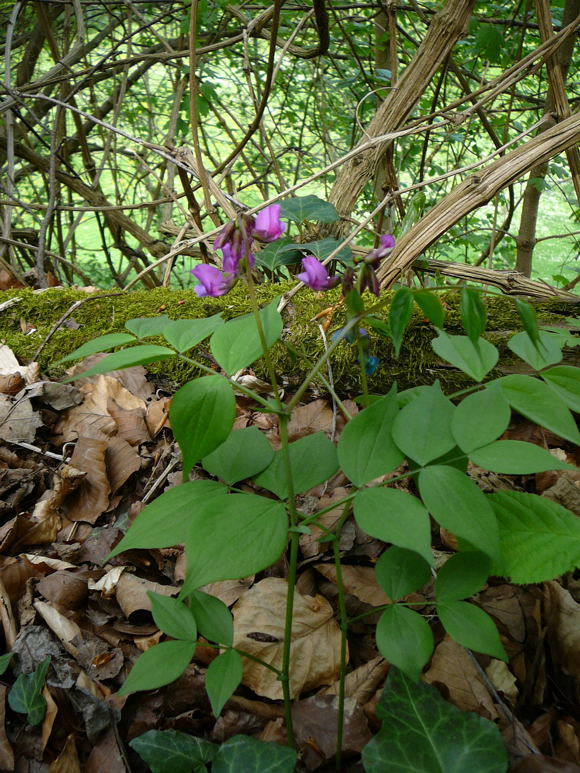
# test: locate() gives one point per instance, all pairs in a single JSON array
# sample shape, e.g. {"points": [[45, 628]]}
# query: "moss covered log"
{"points": [[27, 324]]}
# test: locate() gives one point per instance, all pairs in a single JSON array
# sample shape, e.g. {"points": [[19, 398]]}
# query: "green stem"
{"points": [[363, 374]]}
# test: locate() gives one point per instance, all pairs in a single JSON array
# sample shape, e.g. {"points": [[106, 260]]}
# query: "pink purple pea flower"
{"points": [[315, 275], [212, 283], [268, 227]]}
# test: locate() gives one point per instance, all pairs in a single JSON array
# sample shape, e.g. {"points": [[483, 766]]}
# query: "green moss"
{"points": [[107, 313]]}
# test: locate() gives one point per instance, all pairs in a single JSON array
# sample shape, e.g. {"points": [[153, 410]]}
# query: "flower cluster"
{"points": [[235, 243]]}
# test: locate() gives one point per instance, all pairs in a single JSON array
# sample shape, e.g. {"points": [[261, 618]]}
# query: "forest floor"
{"points": [[79, 462]]}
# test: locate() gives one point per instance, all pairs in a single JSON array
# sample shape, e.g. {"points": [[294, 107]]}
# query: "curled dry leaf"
{"points": [[228, 591], [563, 615], [9, 365], [503, 680], [18, 420], [68, 760], [130, 423], [66, 480], [259, 630], [122, 461], [362, 683], [132, 595], [6, 753], [49, 717], [359, 581], [92, 496]]}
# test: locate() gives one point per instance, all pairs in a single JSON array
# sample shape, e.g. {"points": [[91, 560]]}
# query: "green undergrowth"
{"points": [[101, 313]]}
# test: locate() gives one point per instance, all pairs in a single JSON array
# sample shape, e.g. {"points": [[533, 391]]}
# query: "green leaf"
{"points": [[473, 313], [400, 572], [223, 677], [460, 506], [489, 43], [366, 449], [565, 381], [514, 457], [214, 620], [536, 401], [471, 627], [301, 208], [462, 576], [201, 415], [232, 538], [540, 540], [173, 617], [313, 460], [143, 327], [529, 321], [169, 751], [399, 315], [422, 429], [243, 753], [158, 666], [246, 452], [404, 639], [396, 517], [322, 248], [422, 733], [25, 696], [474, 359], [184, 334], [5, 661], [431, 307], [467, 426], [282, 252], [165, 521], [100, 344], [127, 358], [236, 344], [547, 352]]}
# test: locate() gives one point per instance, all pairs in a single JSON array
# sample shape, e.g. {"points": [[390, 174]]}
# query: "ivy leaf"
{"points": [[422, 733], [243, 753], [25, 696], [301, 208], [322, 248], [170, 751], [282, 252]]}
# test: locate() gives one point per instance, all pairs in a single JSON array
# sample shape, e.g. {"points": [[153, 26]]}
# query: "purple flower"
{"points": [[232, 258], [268, 226], [315, 274], [212, 282], [387, 241]]}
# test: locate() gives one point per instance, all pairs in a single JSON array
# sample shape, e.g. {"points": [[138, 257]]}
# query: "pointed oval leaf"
{"points": [[422, 429], [404, 639], [475, 359], [126, 358], [301, 208], [396, 517], [214, 620], [540, 540], [473, 313], [243, 753], [467, 426], [529, 321], [565, 381], [423, 733], [160, 665], [173, 617], [246, 452], [222, 679], [431, 307], [366, 449], [400, 572], [514, 457], [548, 350], [399, 316], [164, 522], [313, 460], [201, 415], [100, 344], [460, 506], [143, 327], [471, 627], [233, 537], [184, 334], [237, 344], [170, 751], [462, 576], [536, 401]]}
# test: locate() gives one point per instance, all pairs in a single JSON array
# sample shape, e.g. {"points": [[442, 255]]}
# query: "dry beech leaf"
{"points": [[106, 755], [49, 717], [122, 461], [132, 595], [228, 591], [157, 416], [452, 666], [538, 763], [68, 760], [65, 589], [9, 364], [66, 479], [309, 544], [359, 581], [92, 496], [362, 683], [108, 582], [66, 630], [502, 679], [18, 420], [7, 617], [259, 629], [312, 417], [6, 753], [564, 628], [130, 423]]}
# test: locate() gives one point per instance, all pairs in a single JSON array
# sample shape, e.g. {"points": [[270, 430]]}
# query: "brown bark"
{"points": [[476, 191], [555, 99], [446, 27]]}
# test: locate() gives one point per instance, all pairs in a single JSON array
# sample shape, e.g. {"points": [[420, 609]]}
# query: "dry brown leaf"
{"points": [[106, 755], [312, 417], [49, 716], [131, 593], [9, 365], [359, 581], [131, 424], [7, 617], [538, 763], [228, 591], [362, 683], [503, 680], [309, 543], [6, 753], [18, 420], [157, 416], [453, 667], [65, 589], [563, 615], [259, 630], [67, 631], [122, 461], [92, 496], [66, 479], [68, 760]]}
